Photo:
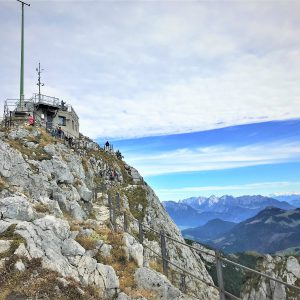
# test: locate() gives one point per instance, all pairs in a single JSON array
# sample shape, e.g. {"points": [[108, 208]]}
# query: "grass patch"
{"points": [[3, 184], [137, 199], [87, 242], [85, 164], [42, 286], [118, 259], [39, 152], [41, 208], [151, 236], [156, 265], [9, 234]]}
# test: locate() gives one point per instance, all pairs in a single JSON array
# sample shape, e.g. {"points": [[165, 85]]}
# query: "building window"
{"points": [[73, 124], [61, 121]]}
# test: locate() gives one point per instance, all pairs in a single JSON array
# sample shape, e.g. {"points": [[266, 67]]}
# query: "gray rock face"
{"points": [[157, 218], [133, 249], [16, 208], [85, 194], [22, 251], [31, 145], [12, 165], [65, 187], [76, 211], [135, 175], [284, 268], [20, 133], [105, 249], [48, 238], [19, 266], [59, 169], [4, 245], [149, 279], [123, 296], [71, 248]]}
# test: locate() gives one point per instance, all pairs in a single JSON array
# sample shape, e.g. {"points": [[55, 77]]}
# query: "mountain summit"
{"points": [[56, 234]]}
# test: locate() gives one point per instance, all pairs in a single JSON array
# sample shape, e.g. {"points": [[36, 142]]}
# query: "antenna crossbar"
{"points": [[23, 2]]}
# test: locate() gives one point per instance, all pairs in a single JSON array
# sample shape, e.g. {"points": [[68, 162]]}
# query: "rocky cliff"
{"points": [[56, 239], [286, 269]]}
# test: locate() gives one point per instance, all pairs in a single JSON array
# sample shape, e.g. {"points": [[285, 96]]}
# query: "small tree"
{"points": [[119, 154]]}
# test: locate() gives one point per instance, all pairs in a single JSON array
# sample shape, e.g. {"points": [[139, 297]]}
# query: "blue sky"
{"points": [[260, 158], [196, 94]]}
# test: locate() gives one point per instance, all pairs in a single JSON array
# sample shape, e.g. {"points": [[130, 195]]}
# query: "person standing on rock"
{"points": [[60, 132], [30, 120], [106, 146]]}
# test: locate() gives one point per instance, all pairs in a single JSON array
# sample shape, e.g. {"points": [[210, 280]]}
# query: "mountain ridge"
{"points": [[271, 230], [227, 208]]}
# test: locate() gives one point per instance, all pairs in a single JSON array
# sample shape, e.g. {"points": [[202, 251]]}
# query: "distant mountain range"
{"points": [[271, 230], [293, 199], [211, 230], [197, 211]]}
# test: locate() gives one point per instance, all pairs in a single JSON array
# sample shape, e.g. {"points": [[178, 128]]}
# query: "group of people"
{"points": [[59, 133]]}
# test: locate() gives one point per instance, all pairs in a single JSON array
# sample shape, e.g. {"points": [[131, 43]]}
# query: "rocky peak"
{"points": [[284, 268], [55, 230], [212, 200]]}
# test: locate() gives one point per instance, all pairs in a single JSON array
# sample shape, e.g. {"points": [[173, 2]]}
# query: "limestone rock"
{"points": [[123, 296], [59, 227], [19, 266], [111, 280], [85, 194], [12, 165], [105, 249], [280, 267], [16, 208], [22, 251], [20, 133], [149, 279], [2, 262], [59, 169], [5, 245], [133, 249], [31, 145], [71, 247], [76, 211]]}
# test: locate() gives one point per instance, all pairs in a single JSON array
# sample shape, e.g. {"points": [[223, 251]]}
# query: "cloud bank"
{"points": [[135, 69], [216, 157]]}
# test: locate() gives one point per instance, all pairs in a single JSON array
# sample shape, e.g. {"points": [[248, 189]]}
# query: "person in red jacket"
{"points": [[30, 120]]}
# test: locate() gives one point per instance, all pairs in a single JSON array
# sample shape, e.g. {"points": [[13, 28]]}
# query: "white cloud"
{"points": [[145, 68], [215, 158]]}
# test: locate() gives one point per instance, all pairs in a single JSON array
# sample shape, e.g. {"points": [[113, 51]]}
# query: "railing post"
{"points": [[141, 232], [110, 210], [102, 187], [118, 203], [220, 275], [164, 252], [114, 218], [125, 222], [182, 283]]}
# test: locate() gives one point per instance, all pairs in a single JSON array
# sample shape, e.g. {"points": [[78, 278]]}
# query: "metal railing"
{"points": [[44, 99], [115, 211]]}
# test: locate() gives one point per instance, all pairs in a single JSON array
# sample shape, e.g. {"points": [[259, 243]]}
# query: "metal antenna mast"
{"points": [[39, 71], [22, 57]]}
